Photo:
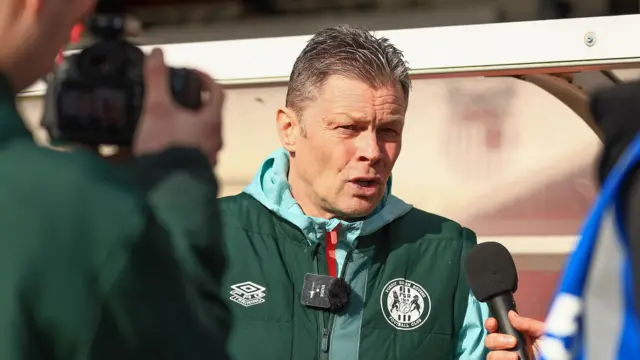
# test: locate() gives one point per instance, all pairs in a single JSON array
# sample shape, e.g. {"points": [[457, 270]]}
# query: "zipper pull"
{"points": [[325, 339]]}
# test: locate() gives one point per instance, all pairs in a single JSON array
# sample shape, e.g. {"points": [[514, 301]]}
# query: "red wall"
{"points": [[535, 289]]}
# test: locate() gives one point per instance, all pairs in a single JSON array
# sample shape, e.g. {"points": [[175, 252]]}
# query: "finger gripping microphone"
{"points": [[493, 279]]}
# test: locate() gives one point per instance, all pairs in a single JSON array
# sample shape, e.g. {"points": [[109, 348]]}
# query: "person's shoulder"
{"points": [[243, 211], [75, 178], [241, 203], [234, 201], [73, 199], [423, 224], [26, 154]]}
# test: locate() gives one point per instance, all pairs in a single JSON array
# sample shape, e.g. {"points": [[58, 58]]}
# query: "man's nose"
{"points": [[368, 147]]}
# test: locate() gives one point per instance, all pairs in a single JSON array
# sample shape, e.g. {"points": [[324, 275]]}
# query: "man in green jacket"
{"points": [[322, 205], [96, 263]]}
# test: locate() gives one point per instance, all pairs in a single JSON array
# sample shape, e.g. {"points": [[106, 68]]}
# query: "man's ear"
{"points": [[288, 126]]}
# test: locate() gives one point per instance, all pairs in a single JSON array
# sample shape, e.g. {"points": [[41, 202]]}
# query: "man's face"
{"points": [[351, 138]]}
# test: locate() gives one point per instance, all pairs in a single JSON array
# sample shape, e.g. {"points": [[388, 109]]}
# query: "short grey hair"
{"points": [[348, 51]]}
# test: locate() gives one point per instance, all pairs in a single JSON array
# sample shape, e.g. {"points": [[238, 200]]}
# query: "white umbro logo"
{"points": [[247, 294]]}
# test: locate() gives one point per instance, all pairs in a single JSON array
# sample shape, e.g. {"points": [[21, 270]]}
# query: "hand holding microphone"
{"points": [[493, 279], [500, 344]]}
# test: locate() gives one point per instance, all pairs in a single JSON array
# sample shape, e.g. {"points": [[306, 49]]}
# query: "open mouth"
{"points": [[367, 187], [366, 183]]}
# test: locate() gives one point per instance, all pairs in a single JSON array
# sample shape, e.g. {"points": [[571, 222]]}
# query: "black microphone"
{"points": [[493, 279]]}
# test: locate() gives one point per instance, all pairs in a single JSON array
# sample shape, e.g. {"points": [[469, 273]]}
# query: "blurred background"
{"points": [[500, 155], [168, 21]]}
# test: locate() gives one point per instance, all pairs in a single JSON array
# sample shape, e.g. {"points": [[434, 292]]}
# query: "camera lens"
{"points": [[99, 62], [103, 60]]}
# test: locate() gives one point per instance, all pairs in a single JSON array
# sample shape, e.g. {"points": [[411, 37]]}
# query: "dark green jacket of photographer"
{"points": [[96, 264], [409, 299]]}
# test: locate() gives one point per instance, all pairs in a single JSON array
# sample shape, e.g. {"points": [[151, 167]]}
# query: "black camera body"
{"points": [[95, 97]]}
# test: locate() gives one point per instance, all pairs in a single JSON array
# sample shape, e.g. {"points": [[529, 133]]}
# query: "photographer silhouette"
{"points": [[100, 261]]}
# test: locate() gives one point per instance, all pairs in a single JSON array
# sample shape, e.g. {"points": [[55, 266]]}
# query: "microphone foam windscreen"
{"points": [[490, 271]]}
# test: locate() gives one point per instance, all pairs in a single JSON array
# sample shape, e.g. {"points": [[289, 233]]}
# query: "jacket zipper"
{"points": [[316, 270], [326, 331]]}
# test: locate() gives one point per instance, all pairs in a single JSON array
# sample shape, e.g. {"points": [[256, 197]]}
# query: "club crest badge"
{"points": [[405, 304]]}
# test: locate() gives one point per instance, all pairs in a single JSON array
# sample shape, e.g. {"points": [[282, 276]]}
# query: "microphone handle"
{"points": [[500, 307]]}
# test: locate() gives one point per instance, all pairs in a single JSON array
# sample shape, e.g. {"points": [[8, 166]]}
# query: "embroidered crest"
{"points": [[405, 304]]}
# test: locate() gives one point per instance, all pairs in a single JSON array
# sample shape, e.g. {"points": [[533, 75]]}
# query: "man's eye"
{"points": [[348, 127]]}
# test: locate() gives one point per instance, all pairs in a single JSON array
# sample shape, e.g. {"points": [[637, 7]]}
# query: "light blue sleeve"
{"points": [[472, 334]]}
